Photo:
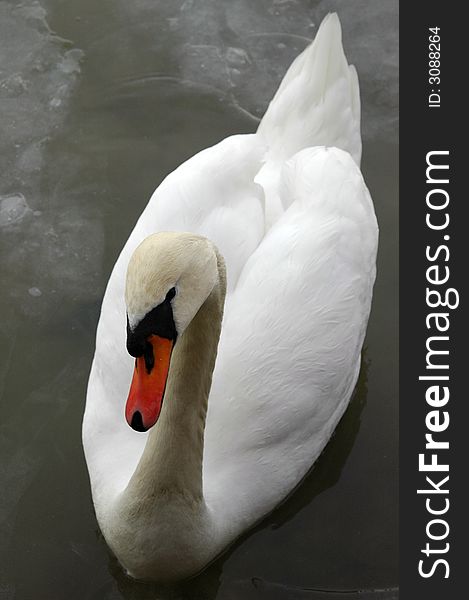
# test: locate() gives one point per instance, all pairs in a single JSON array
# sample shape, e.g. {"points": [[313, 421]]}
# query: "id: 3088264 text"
{"points": [[434, 67]]}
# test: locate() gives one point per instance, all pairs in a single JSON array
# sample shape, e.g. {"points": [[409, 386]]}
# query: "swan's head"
{"points": [[169, 277]]}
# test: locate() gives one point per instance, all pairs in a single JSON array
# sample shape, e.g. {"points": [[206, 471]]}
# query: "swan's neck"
{"points": [[172, 459]]}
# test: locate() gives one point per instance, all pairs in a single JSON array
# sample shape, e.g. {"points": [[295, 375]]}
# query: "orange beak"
{"points": [[148, 384]]}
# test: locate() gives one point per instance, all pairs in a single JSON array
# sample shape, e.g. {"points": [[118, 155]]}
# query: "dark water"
{"points": [[98, 102]]}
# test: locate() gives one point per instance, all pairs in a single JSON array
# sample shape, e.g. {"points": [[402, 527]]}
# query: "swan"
{"points": [[232, 325]]}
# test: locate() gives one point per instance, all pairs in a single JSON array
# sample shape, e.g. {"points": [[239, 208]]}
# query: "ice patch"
{"points": [[237, 57], [243, 49], [13, 209], [37, 68], [13, 85], [71, 61], [33, 11], [34, 292], [42, 228]]}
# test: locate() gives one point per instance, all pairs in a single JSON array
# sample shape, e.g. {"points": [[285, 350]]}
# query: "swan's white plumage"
{"points": [[318, 101], [294, 221]]}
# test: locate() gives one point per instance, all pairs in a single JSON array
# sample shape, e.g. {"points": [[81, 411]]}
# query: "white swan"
{"points": [[297, 232]]}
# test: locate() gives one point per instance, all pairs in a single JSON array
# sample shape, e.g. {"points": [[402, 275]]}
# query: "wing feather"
{"points": [[292, 335]]}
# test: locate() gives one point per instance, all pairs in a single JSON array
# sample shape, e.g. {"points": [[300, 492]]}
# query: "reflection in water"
{"points": [[258, 589]]}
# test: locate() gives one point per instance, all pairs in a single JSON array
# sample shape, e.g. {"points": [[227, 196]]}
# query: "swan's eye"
{"points": [[170, 295]]}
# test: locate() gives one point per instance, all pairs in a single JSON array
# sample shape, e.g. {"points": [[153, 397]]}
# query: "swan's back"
{"points": [[289, 353], [297, 229]]}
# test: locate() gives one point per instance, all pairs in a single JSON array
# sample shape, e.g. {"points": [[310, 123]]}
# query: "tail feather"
{"points": [[318, 101]]}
